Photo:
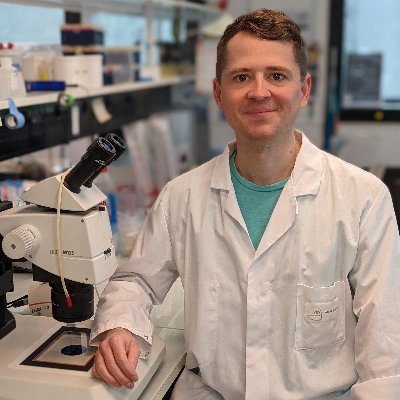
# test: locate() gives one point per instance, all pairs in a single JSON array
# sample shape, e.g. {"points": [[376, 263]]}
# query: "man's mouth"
{"points": [[258, 111]]}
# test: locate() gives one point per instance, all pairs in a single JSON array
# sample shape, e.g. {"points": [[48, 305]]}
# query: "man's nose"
{"points": [[259, 89]]}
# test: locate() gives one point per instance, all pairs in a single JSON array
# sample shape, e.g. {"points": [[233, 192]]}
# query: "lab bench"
{"points": [[156, 374]]}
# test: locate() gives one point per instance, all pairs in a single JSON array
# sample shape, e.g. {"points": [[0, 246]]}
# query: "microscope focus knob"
{"points": [[21, 242]]}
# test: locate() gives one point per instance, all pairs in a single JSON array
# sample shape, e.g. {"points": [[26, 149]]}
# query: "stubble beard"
{"points": [[268, 140]]}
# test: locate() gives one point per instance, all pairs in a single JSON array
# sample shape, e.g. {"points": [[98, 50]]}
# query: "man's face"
{"points": [[260, 91]]}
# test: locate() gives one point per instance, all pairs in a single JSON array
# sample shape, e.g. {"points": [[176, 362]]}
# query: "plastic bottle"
{"points": [[11, 80]]}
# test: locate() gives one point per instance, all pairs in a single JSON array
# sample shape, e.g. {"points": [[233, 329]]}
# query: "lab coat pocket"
{"points": [[320, 320]]}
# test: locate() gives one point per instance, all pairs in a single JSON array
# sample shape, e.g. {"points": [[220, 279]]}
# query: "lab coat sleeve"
{"points": [[140, 282], [375, 279]]}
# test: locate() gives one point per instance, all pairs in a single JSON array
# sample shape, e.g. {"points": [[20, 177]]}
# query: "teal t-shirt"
{"points": [[256, 202]]}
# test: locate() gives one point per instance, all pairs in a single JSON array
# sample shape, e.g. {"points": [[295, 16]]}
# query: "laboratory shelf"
{"points": [[49, 123], [38, 98], [117, 6]]}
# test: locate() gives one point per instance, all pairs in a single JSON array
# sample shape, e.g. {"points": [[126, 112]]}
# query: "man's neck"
{"points": [[267, 163]]}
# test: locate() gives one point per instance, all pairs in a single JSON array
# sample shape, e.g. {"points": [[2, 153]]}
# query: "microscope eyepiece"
{"points": [[97, 156], [105, 145], [119, 145]]}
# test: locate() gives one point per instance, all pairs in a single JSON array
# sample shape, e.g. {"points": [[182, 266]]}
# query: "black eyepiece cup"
{"points": [[119, 146], [97, 156]]}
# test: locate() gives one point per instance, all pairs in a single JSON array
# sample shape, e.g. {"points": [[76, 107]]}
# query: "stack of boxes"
{"points": [[118, 64]]}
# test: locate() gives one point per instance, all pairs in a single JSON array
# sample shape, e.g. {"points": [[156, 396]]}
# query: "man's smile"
{"points": [[258, 111]]}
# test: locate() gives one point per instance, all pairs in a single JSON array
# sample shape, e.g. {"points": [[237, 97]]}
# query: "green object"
{"points": [[256, 202]]}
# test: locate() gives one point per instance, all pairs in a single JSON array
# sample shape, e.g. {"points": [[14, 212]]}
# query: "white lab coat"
{"points": [[308, 315]]}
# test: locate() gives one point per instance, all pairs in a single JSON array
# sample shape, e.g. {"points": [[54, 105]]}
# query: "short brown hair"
{"points": [[264, 24]]}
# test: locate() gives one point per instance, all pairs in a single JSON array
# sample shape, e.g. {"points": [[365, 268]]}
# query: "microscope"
{"points": [[64, 231]]}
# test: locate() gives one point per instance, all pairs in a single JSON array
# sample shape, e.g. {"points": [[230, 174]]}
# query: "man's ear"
{"points": [[217, 92], [305, 90]]}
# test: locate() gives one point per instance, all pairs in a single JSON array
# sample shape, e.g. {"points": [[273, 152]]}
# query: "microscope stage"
{"points": [[67, 348], [30, 341]]}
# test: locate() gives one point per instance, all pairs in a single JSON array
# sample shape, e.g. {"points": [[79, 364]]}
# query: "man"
{"points": [[288, 256]]}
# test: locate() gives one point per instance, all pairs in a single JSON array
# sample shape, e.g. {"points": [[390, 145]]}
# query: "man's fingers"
{"points": [[133, 357], [121, 356], [113, 358], [116, 359], [95, 374], [100, 371]]}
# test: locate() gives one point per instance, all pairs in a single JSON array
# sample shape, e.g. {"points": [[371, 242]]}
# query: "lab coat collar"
{"points": [[306, 175], [307, 171], [221, 175]]}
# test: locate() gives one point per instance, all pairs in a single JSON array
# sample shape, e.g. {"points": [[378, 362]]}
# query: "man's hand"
{"points": [[116, 358]]}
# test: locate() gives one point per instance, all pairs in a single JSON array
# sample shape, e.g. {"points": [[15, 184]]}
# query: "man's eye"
{"points": [[241, 78], [277, 76]]}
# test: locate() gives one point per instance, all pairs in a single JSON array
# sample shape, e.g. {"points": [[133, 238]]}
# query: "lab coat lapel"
{"points": [[221, 180], [305, 180], [231, 207], [281, 219]]}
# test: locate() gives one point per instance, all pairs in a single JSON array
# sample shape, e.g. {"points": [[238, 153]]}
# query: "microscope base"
{"points": [[21, 382]]}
